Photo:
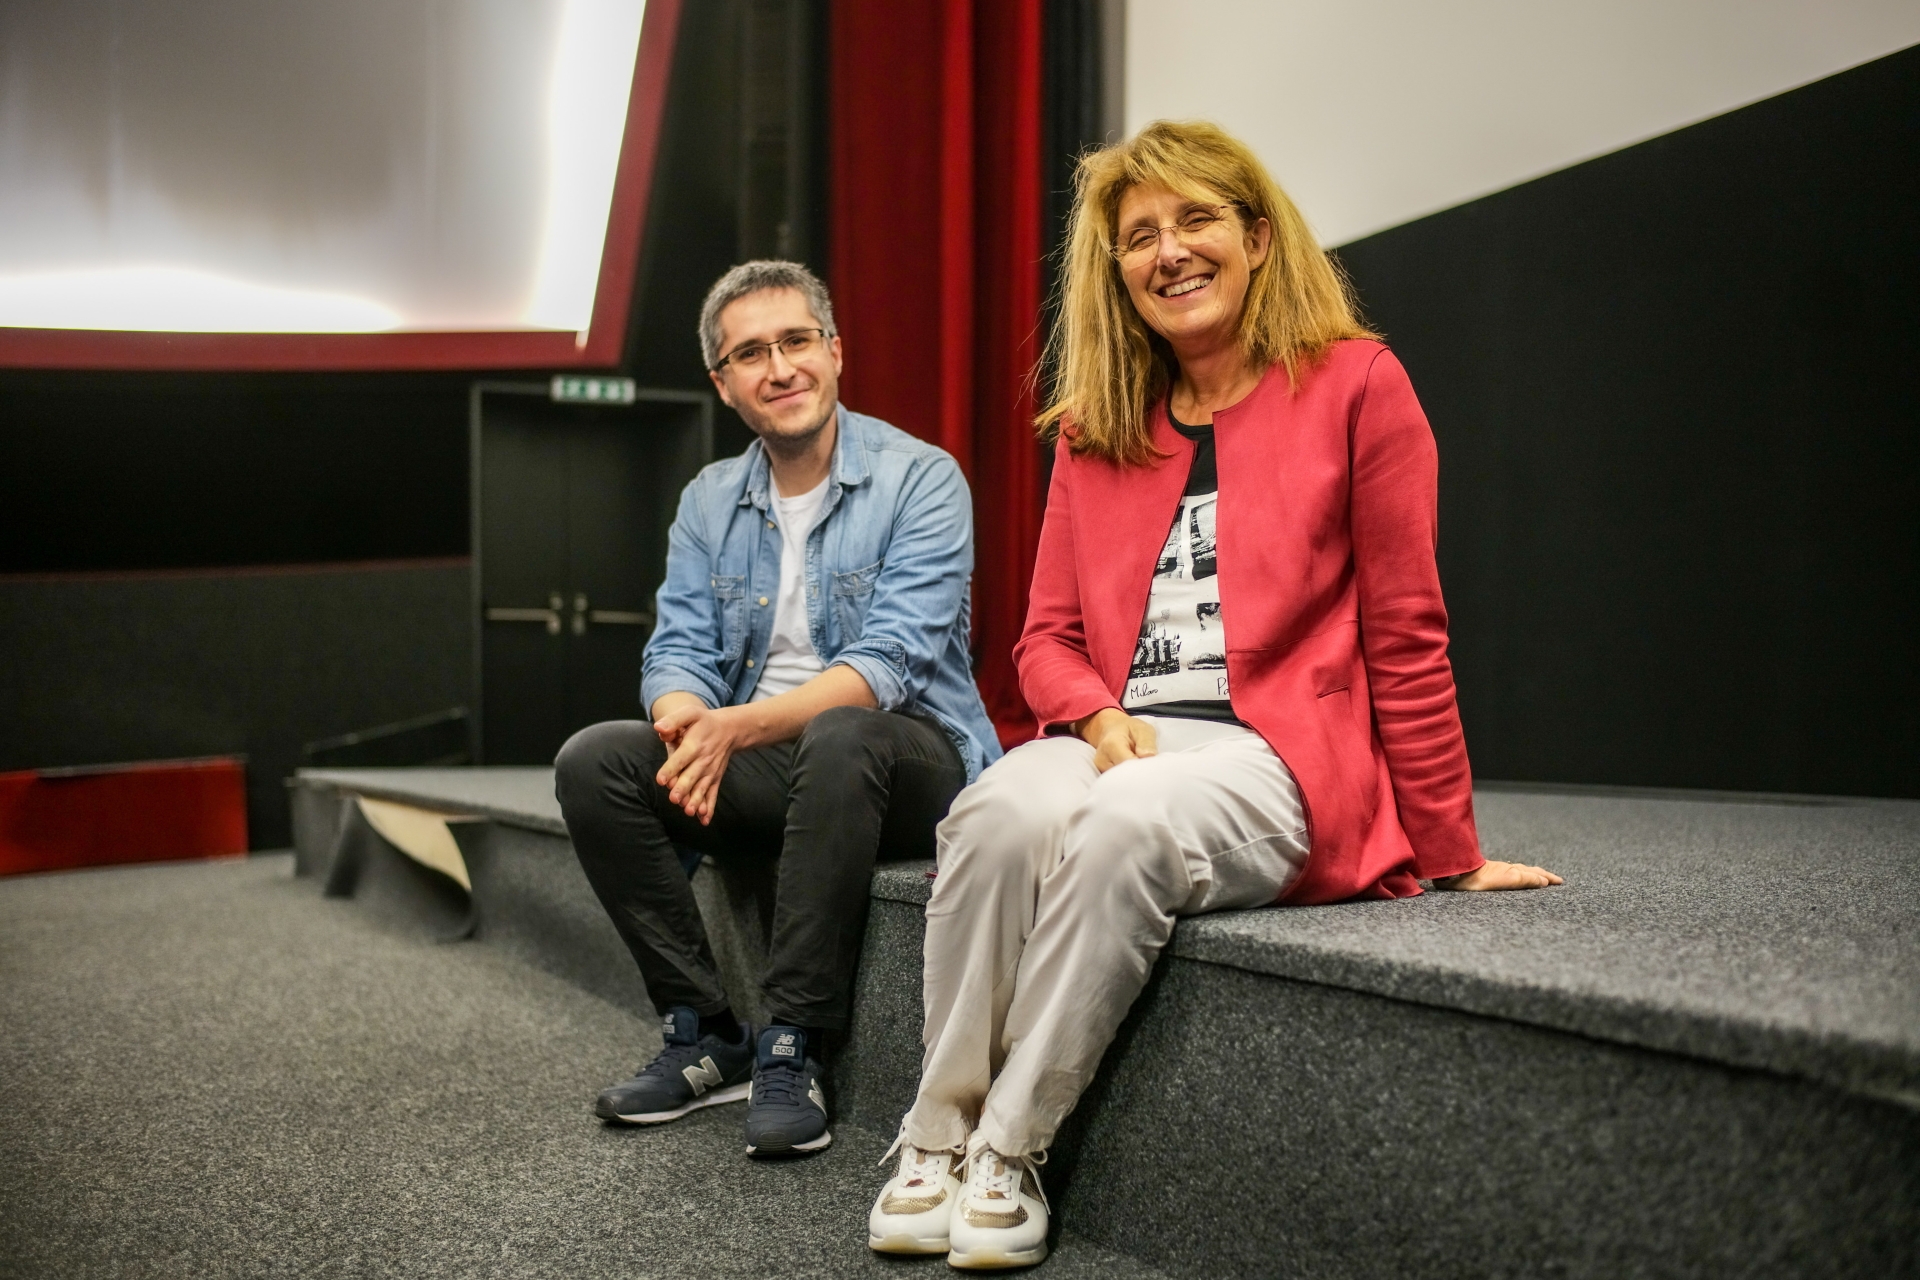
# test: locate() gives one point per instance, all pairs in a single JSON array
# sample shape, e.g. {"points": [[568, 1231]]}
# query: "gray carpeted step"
{"points": [[1700, 1057]]}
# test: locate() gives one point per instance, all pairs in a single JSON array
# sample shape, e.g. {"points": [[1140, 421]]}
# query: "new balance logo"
{"points": [[816, 1097], [784, 1047], [702, 1076]]}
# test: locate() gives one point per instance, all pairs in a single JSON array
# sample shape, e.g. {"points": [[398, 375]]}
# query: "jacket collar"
{"points": [[849, 463]]}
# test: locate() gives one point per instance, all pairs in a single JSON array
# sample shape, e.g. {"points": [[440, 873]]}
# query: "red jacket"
{"points": [[1337, 650]]}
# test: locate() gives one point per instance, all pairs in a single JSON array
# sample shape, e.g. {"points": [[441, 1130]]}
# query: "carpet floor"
{"points": [[209, 1070]]}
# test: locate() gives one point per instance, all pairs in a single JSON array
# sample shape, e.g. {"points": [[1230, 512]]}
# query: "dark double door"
{"points": [[571, 505]]}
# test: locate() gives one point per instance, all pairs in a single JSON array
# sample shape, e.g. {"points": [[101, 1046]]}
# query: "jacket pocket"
{"points": [[730, 602], [852, 592], [1348, 722]]}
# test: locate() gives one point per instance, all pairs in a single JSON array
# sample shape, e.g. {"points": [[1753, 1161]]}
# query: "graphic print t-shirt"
{"points": [[1180, 661]]}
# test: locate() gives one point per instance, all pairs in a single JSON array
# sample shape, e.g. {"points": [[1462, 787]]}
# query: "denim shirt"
{"points": [[888, 572]]}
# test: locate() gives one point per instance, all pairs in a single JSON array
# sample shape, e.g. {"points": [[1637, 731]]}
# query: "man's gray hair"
{"points": [[752, 277]]}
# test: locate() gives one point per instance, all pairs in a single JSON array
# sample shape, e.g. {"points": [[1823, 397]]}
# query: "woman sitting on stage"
{"points": [[1235, 645]]}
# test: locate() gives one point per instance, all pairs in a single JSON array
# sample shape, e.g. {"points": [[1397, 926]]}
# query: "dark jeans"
{"points": [[856, 786]]}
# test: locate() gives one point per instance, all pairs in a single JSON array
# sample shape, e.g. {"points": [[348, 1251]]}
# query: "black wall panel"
{"points": [[718, 198], [94, 670], [1675, 392], [164, 471]]}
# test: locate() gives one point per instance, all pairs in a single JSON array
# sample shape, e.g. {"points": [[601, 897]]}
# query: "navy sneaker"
{"points": [[787, 1112], [692, 1071]]}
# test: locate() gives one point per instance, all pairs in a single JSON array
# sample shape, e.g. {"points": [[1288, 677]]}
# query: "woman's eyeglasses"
{"points": [[795, 346], [1193, 224]]}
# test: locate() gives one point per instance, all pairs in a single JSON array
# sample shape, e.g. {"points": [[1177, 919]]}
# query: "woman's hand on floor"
{"points": [[1500, 875], [1117, 737]]}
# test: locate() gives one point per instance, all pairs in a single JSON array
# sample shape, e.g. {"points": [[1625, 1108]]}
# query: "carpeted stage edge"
{"points": [[209, 1070]]}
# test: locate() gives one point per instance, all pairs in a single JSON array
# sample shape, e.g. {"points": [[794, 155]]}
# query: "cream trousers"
{"points": [[1058, 887]]}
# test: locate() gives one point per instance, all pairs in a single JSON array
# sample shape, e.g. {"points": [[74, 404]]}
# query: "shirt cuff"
{"points": [[664, 680], [889, 690]]}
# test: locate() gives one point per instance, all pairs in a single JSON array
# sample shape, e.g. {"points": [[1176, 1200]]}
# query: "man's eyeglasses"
{"points": [[795, 346], [1193, 224]]}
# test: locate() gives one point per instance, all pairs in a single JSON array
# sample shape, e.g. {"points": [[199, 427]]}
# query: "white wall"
{"points": [[1373, 114]]}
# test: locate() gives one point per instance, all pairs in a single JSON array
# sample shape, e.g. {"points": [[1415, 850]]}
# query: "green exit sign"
{"points": [[572, 389]]}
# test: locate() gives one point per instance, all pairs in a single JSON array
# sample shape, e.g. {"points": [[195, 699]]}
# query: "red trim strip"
{"points": [[606, 336], [600, 347], [147, 812], [255, 352]]}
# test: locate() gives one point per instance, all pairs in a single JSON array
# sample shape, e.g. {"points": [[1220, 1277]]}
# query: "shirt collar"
{"points": [[849, 463]]}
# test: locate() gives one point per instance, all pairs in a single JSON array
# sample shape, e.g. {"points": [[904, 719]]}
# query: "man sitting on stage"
{"points": [[811, 697]]}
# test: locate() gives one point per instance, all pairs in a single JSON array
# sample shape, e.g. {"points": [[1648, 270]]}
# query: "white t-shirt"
{"points": [[791, 661]]}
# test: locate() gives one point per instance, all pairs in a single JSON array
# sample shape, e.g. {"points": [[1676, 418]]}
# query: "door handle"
{"points": [[550, 615], [553, 616], [583, 614], [620, 618]]}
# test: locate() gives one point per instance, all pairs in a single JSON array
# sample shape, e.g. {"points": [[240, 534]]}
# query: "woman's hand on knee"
{"points": [[1117, 737], [1500, 875]]}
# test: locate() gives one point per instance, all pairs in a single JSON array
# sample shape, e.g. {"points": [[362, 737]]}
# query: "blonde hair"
{"points": [[1108, 367]]}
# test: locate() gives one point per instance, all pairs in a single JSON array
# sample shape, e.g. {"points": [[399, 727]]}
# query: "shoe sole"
{"points": [[733, 1093], [820, 1143], [901, 1242], [994, 1259]]}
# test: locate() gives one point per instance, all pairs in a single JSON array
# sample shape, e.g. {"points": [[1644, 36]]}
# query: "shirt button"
{"points": [[770, 524], [763, 599], [749, 661]]}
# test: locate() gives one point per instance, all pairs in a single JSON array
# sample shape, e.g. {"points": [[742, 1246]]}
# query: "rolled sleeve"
{"points": [[656, 684], [885, 676]]}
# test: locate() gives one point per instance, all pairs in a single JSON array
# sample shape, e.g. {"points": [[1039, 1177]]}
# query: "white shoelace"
{"points": [[917, 1165], [989, 1173]]}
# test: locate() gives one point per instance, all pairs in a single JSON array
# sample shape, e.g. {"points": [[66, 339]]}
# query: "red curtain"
{"points": [[937, 272]]}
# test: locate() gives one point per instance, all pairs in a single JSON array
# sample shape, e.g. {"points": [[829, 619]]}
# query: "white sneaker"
{"points": [[1000, 1217], [914, 1207]]}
